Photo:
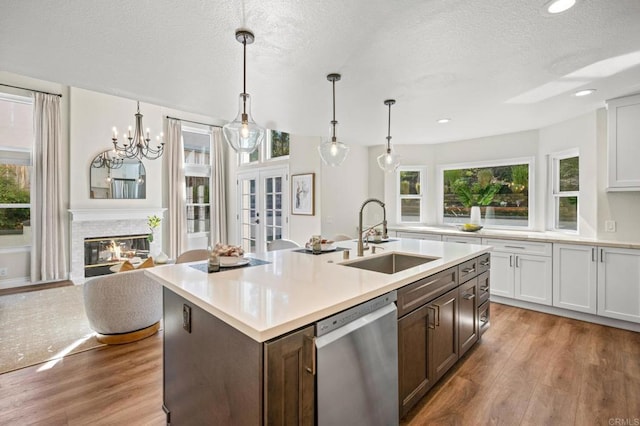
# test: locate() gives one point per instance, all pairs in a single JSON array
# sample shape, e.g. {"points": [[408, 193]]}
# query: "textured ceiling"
{"points": [[493, 66]]}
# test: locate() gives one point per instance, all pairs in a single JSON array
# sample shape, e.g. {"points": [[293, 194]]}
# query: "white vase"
{"points": [[475, 215], [161, 258]]}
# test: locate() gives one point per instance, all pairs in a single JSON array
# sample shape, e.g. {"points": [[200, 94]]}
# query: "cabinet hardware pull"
{"points": [[429, 324], [469, 270], [484, 288], [516, 247], [483, 319], [485, 263], [517, 265], [510, 261], [311, 341], [602, 255], [593, 254], [469, 296], [437, 315]]}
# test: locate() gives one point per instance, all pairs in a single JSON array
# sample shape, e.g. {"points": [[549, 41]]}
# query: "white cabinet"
{"points": [[619, 283], [623, 148], [419, 236], [521, 270], [461, 239], [575, 277]]}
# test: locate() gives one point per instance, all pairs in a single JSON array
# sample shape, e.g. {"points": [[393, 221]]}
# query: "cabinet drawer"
{"points": [[516, 246], [483, 287], [484, 262], [484, 316], [463, 240], [414, 295], [419, 236], [467, 270]]}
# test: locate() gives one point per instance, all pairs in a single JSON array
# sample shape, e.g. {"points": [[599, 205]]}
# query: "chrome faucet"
{"points": [[384, 224]]}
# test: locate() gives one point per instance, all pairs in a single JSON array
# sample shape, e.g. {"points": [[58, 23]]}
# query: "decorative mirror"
{"points": [[116, 177]]}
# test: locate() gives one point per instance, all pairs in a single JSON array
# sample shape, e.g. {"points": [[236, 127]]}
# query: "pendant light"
{"points": [[332, 152], [243, 134], [388, 161]]}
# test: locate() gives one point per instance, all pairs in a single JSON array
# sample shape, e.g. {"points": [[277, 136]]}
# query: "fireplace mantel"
{"points": [[91, 215]]}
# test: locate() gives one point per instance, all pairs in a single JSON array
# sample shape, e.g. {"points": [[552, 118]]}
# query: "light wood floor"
{"points": [[530, 369]]}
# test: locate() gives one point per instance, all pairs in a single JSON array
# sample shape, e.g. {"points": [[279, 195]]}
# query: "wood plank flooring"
{"points": [[529, 369]]}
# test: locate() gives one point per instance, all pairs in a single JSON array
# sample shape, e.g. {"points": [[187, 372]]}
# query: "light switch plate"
{"points": [[610, 226]]}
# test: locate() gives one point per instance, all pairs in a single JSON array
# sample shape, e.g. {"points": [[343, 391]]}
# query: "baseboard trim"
{"points": [[610, 322]]}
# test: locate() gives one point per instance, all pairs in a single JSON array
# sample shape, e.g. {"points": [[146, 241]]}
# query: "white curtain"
{"points": [[177, 200], [218, 189], [48, 217]]}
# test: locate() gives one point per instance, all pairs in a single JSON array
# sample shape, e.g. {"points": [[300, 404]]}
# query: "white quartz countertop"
{"points": [[296, 289], [547, 237]]}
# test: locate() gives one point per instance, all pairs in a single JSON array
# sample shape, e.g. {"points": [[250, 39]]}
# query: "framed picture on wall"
{"points": [[303, 194]]}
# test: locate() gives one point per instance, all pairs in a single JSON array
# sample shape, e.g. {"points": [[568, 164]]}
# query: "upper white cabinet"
{"points": [[624, 143], [575, 277], [619, 283]]}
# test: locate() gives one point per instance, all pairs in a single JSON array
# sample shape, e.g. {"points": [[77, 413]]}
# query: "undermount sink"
{"points": [[390, 263]]}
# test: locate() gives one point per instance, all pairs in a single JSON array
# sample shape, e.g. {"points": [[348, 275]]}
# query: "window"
{"points": [[411, 185], [275, 146], [16, 140], [501, 189], [565, 189], [197, 172]]}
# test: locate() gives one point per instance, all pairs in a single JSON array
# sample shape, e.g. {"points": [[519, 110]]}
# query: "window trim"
{"points": [[531, 161], [422, 196], [555, 194]]}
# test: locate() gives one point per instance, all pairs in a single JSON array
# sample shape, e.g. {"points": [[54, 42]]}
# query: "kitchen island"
{"points": [[225, 332]]}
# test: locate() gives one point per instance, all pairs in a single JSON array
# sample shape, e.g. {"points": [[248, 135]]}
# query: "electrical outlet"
{"points": [[4, 272], [610, 226]]}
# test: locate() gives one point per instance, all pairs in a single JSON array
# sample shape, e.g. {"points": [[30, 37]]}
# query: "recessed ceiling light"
{"points": [[585, 92], [558, 6], [444, 120]]}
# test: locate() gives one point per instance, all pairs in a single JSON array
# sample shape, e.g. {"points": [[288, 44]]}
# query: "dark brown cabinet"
{"points": [[443, 333], [468, 315], [414, 366], [289, 379]]}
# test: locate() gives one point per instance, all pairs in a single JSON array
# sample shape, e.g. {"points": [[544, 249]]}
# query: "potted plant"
{"points": [[472, 195]]}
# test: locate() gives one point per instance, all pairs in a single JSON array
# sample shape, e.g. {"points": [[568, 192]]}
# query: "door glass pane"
{"points": [[567, 213], [269, 201], [269, 182], [410, 209], [569, 174], [278, 184]]}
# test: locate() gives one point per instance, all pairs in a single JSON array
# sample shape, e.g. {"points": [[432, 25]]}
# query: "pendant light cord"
{"points": [[334, 122], [244, 75], [389, 131]]}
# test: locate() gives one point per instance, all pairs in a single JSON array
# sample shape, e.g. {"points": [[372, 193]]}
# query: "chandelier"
{"points": [[332, 152], [136, 145], [104, 160], [243, 134], [388, 161]]}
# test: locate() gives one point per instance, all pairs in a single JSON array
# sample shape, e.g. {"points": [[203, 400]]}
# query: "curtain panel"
{"points": [[177, 196], [48, 217], [218, 188]]}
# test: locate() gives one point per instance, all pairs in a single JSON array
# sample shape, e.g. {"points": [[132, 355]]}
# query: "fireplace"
{"points": [[87, 224], [101, 253]]}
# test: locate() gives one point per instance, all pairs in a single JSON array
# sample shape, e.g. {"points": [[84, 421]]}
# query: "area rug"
{"points": [[41, 326]]}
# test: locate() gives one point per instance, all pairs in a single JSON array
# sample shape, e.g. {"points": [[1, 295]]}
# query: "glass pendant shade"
{"points": [[333, 153], [243, 134], [389, 161]]}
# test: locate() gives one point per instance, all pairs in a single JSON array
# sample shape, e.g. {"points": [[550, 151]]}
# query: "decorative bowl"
{"points": [[469, 227]]}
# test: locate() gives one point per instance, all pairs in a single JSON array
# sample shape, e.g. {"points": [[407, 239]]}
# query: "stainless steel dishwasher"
{"points": [[357, 365]]}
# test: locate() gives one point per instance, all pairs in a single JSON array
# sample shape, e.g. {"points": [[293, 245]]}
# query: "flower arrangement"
{"points": [[152, 222]]}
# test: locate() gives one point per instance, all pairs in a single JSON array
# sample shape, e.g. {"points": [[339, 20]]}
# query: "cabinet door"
{"points": [[467, 315], [289, 379], [502, 280], [619, 283], [575, 277], [443, 337], [533, 275], [623, 148], [413, 358]]}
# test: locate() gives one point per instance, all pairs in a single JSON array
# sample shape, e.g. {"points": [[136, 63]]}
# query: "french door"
{"points": [[263, 198]]}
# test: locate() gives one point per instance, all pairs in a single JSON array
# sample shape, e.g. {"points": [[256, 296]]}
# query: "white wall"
{"points": [[17, 262], [577, 133]]}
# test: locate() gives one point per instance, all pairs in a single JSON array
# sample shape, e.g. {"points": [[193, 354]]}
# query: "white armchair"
{"points": [[123, 307]]}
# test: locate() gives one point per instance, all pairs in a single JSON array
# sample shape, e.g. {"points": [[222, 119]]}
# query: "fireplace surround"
{"points": [[98, 223]]}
